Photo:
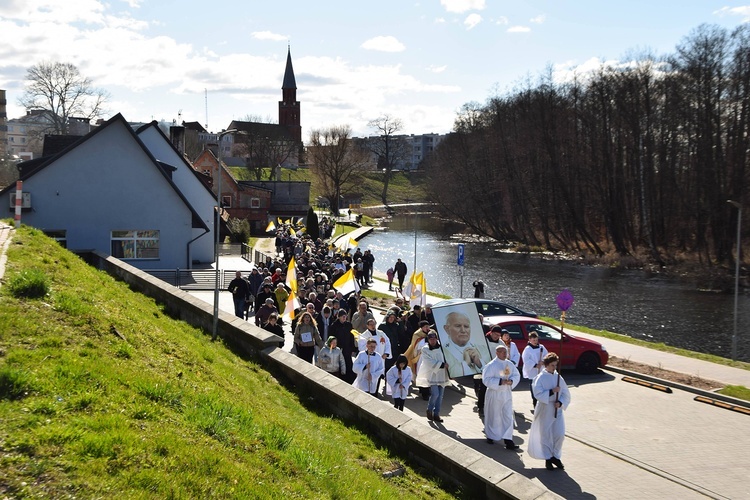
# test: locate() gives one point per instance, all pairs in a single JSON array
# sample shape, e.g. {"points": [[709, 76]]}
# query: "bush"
{"points": [[30, 283], [240, 229]]}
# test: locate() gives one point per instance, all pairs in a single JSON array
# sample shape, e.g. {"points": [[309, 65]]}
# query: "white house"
{"points": [[108, 192], [186, 178]]}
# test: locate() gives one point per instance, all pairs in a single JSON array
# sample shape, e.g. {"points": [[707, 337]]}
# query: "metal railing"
{"points": [[194, 279]]}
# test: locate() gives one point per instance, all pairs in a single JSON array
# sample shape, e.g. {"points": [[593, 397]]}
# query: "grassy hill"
{"points": [[403, 188], [102, 395]]}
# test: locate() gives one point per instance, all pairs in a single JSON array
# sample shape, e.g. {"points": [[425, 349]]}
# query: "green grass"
{"points": [[653, 345], [164, 413], [736, 391], [403, 187]]}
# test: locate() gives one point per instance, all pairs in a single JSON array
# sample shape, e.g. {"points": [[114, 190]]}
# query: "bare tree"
{"points": [[389, 148], [60, 89], [264, 145], [336, 161]]}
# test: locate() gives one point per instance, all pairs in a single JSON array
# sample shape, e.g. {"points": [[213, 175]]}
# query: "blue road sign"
{"points": [[461, 248]]}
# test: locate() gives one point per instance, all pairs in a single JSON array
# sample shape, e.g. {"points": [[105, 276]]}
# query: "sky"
{"points": [[419, 61]]}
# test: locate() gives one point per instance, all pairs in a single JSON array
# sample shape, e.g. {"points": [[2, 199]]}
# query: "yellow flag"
{"points": [[353, 242], [271, 227], [291, 282], [346, 283]]}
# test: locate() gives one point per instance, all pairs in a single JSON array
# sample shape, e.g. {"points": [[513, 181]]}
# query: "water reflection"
{"points": [[636, 303]]}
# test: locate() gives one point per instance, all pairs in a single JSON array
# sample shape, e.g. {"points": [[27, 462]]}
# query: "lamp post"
{"points": [[217, 229], [738, 206]]}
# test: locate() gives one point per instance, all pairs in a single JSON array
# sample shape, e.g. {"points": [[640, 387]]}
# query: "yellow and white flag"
{"points": [[416, 289], [271, 227], [291, 282], [346, 283], [353, 243]]}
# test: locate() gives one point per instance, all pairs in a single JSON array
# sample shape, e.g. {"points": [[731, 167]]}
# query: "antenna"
{"points": [[205, 92], [179, 117]]}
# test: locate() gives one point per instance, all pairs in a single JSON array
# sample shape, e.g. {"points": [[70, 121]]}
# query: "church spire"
{"points": [[289, 108]]}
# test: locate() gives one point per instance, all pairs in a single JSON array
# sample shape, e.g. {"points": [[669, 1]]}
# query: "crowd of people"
{"points": [[341, 336]]}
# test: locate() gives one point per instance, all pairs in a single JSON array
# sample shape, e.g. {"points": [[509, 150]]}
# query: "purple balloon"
{"points": [[564, 300]]}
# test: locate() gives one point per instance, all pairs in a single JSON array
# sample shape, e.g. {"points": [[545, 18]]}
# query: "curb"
{"points": [[682, 387]]}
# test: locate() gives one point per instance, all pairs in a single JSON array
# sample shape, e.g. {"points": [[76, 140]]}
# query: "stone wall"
{"points": [[479, 475]]}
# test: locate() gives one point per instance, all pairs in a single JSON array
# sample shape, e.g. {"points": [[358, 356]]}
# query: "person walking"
{"points": [[478, 289], [306, 337], [398, 380], [500, 376], [240, 293], [331, 359], [369, 367], [533, 357], [433, 372], [400, 269], [342, 330], [273, 326], [548, 428]]}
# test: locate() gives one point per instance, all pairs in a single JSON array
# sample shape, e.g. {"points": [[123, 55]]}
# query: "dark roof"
{"points": [[289, 81], [32, 167], [194, 126], [53, 144]]}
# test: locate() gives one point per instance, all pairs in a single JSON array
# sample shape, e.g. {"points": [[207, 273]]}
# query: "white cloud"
{"points": [[437, 69], [135, 4], [267, 35], [460, 6], [383, 44], [742, 11], [502, 20], [538, 19], [472, 20], [519, 29], [439, 20]]}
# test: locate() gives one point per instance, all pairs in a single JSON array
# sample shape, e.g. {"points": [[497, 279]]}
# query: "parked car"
{"points": [[487, 307], [575, 352]]}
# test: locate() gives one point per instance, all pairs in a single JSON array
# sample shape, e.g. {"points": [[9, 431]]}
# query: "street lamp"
{"points": [[738, 206], [217, 229]]}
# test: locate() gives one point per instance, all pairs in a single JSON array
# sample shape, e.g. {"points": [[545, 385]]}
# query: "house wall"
{"points": [[109, 183], [201, 199]]}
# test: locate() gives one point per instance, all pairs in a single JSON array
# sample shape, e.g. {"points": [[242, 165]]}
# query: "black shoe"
{"points": [[557, 463], [548, 464], [489, 441], [510, 445], [429, 415], [436, 418]]}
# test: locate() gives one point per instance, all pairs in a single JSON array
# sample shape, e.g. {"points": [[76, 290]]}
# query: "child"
{"points": [[389, 273], [398, 381]]}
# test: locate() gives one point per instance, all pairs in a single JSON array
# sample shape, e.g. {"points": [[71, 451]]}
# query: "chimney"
{"points": [[177, 136]]}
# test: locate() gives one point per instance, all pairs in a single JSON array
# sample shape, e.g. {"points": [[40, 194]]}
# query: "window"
{"points": [[254, 202], [226, 201], [545, 332], [58, 235], [514, 330], [135, 244]]}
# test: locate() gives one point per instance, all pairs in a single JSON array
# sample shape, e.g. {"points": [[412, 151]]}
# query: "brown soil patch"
{"points": [[653, 371]]}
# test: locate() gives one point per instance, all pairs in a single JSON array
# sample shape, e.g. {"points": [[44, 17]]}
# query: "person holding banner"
{"points": [[548, 428], [433, 372]]}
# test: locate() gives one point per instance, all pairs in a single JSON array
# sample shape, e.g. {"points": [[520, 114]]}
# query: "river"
{"points": [[637, 303]]}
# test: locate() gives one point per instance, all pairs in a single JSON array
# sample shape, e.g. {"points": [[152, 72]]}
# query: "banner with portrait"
{"points": [[461, 338]]}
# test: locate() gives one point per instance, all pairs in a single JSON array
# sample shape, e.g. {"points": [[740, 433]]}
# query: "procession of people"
{"points": [[407, 351]]}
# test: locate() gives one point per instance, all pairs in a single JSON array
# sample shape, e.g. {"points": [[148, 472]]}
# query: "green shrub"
{"points": [[29, 283], [240, 229]]}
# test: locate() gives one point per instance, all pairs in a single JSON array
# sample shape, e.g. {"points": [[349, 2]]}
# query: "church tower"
{"points": [[289, 112]]}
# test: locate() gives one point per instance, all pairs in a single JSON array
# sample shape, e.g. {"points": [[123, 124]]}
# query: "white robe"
{"points": [[513, 353], [533, 357], [430, 372], [383, 346], [365, 365], [396, 389], [498, 401], [547, 432]]}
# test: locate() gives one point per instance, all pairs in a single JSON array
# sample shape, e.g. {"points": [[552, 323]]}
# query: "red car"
{"points": [[582, 354]]}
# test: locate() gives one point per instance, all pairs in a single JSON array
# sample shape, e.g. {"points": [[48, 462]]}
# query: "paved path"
{"points": [[623, 440]]}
